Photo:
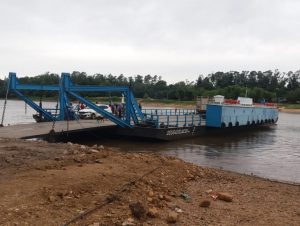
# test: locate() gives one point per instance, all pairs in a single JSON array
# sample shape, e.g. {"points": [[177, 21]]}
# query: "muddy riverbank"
{"points": [[53, 184]]}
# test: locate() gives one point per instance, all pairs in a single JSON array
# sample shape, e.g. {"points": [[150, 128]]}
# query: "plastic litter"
{"points": [[185, 196], [178, 210]]}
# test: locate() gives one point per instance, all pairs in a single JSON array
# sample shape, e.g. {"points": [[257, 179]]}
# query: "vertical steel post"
{"points": [[128, 101], [157, 122]]}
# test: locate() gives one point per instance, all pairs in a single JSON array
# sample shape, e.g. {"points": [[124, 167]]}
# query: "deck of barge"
{"points": [[42, 129]]}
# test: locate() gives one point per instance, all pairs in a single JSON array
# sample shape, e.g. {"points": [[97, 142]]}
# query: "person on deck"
{"points": [[82, 106]]}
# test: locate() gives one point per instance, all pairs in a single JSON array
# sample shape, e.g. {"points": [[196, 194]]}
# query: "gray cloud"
{"points": [[175, 39]]}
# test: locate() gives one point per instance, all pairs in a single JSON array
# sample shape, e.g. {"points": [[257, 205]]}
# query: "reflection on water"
{"points": [[272, 153]]}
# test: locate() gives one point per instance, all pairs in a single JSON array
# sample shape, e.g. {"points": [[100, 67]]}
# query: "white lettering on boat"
{"points": [[176, 132]]}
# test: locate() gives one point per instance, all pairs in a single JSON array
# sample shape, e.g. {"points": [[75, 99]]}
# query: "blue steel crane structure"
{"points": [[65, 88]]}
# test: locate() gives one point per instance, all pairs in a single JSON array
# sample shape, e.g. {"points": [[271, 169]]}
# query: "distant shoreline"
{"points": [[289, 110]]}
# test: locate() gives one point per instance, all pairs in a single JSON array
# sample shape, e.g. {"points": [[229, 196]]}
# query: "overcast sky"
{"points": [[175, 39]]}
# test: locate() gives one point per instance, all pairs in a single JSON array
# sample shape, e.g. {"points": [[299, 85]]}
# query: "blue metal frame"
{"points": [[66, 87]]}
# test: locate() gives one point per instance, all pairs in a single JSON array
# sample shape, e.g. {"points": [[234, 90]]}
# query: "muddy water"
{"points": [[17, 112], [273, 153]]}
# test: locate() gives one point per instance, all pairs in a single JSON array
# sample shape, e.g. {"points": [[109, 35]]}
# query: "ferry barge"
{"points": [[212, 115], [215, 115]]}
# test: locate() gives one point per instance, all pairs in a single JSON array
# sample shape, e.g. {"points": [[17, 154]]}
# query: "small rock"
{"points": [[57, 158], [95, 224], [70, 143], [171, 206], [190, 177], [138, 210], [52, 198], [98, 161], [111, 198], [101, 147], [155, 201], [151, 193], [153, 212], [173, 194], [225, 196], [95, 146], [208, 191], [205, 203], [128, 222], [161, 197], [94, 151], [172, 217], [89, 151], [77, 160], [149, 199], [167, 198], [60, 194]]}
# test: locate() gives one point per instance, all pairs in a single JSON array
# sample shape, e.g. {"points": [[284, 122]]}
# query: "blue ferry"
{"points": [[211, 116], [241, 112]]}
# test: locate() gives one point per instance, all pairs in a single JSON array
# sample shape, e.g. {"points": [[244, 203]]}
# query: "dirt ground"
{"points": [[70, 184]]}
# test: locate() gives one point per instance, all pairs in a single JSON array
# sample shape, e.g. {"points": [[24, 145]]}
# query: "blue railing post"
{"points": [[168, 121], [192, 120], [199, 120], [12, 80], [127, 107]]}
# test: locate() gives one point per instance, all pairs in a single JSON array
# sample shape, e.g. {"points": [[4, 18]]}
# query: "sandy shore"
{"points": [[286, 110], [53, 184]]}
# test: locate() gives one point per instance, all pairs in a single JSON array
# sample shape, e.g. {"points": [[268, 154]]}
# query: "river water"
{"points": [[272, 153]]}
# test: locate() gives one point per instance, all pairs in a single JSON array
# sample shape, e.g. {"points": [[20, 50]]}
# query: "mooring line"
{"points": [[111, 198]]}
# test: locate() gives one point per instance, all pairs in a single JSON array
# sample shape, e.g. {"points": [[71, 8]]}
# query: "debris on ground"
{"points": [[185, 196], [138, 210], [225, 196]]}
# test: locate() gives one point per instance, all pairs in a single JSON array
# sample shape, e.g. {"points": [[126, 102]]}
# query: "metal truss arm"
{"points": [[46, 114], [14, 85], [108, 115]]}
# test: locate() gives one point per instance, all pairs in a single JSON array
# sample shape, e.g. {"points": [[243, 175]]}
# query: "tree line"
{"points": [[268, 85]]}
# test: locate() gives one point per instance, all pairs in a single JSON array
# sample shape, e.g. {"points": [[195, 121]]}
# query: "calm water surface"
{"points": [[271, 153]]}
